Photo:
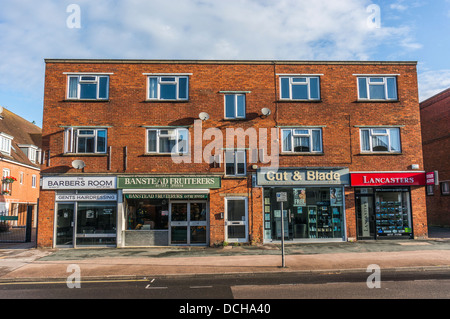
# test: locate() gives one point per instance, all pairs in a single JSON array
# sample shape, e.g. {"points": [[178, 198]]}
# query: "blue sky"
{"points": [[30, 31]]}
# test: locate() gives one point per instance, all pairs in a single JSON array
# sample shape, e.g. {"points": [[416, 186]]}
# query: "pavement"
{"points": [[24, 263]]}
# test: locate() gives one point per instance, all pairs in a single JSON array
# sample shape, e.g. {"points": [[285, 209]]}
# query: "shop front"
{"points": [[166, 210], [314, 209], [383, 203], [85, 210]]}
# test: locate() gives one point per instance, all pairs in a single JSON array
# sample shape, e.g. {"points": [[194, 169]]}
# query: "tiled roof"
{"points": [[23, 133]]}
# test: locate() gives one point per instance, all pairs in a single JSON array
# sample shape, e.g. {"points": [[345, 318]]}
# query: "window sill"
{"points": [[302, 154], [86, 154], [299, 101], [166, 101], [377, 101], [167, 154], [86, 100], [234, 177], [379, 153]]}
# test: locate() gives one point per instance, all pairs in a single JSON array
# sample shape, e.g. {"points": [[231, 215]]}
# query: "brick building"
{"points": [[20, 154], [170, 152], [435, 119]]}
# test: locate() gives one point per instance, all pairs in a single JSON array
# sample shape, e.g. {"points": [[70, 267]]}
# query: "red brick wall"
{"points": [[127, 111], [435, 116]]}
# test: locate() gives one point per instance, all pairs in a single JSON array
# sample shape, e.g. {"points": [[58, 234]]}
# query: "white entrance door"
{"points": [[236, 219]]}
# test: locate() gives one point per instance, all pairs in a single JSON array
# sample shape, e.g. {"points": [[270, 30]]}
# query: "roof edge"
{"points": [[300, 62]]}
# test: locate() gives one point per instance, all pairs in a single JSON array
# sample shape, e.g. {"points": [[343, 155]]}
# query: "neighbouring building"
{"points": [[178, 152], [435, 119], [20, 158]]}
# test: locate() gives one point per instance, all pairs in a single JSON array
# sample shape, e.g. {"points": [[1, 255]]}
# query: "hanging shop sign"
{"points": [[388, 179], [303, 176], [168, 182], [166, 196], [78, 182]]}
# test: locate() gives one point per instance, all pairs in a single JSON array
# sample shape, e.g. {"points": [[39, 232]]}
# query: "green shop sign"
{"points": [[168, 182], [166, 196]]}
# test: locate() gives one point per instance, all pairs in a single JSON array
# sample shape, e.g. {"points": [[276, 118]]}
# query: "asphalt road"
{"points": [[426, 284]]}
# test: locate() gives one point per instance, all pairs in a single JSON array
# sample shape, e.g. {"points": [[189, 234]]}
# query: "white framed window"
{"points": [[445, 188], [301, 140], [167, 140], [235, 106], [87, 87], [85, 140], [235, 163], [380, 140], [21, 178], [168, 87], [5, 143], [6, 188], [377, 88], [33, 181], [299, 88]]}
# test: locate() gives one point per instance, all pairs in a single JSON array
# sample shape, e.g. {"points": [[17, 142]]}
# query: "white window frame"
{"points": [[236, 116], [33, 181], [159, 81], [383, 83], [5, 143], [71, 135], [21, 178], [235, 155], [372, 133], [175, 135], [445, 188], [6, 186], [309, 134], [307, 83], [80, 81]]}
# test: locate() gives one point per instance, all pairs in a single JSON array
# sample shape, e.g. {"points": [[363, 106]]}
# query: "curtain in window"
{"points": [[301, 144], [316, 141], [395, 140], [365, 143], [73, 86], [287, 147], [380, 143]]}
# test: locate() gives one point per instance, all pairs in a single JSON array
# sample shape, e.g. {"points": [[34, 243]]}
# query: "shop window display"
{"points": [[147, 214], [310, 213]]}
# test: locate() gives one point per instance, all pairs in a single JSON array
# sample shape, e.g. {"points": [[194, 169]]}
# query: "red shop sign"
{"points": [[388, 179]]}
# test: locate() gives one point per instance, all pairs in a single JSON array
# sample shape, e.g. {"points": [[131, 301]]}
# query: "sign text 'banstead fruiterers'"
{"points": [[168, 182]]}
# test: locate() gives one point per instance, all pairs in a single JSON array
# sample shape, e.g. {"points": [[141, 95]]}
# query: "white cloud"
{"points": [[186, 29], [432, 82]]}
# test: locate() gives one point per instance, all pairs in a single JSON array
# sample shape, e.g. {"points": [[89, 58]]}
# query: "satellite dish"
{"points": [[78, 164], [203, 116], [265, 111]]}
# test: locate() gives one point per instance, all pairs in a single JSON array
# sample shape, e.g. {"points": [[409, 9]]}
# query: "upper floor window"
{"points": [[380, 140], [301, 140], [5, 143], [85, 140], [168, 141], [300, 87], [33, 152], [168, 88], [235, 163], [234, 106], [445, 188], [88, 87], [377, 88]]}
